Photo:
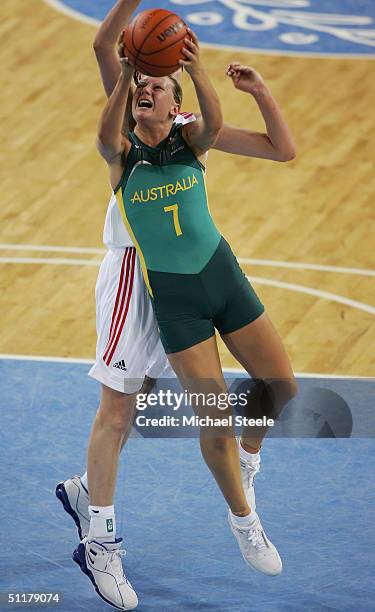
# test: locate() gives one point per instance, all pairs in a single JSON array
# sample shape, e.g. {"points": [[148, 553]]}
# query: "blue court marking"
{"points": [[316, 499], [326, 27]]}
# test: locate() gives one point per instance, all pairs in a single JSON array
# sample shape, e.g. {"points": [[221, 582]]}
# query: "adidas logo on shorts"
{"points": [[121, 365]]}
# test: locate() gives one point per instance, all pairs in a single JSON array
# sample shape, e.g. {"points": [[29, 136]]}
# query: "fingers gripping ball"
{"points": [[154, 40]]}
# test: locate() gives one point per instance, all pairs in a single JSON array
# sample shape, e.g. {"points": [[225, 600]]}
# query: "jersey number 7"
{"points": [[174, 209]]}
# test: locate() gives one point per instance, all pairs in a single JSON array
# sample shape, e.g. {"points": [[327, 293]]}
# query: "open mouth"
{"points": [[144, 103]]}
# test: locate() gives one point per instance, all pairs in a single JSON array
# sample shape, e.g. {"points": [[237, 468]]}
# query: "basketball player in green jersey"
{"points": [[157, 174], [276, 144]]}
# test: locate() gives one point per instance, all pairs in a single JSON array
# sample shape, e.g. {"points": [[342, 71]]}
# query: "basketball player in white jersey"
{"points": [[129, 353]]}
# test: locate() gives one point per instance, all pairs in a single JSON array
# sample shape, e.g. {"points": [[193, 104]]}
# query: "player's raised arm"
{"points": [[201, 134], [112, 144], [277, 144], [105, 43]]}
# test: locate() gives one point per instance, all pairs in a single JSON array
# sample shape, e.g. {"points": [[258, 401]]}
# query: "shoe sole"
{"points": [[62, 495], [79, 557]]}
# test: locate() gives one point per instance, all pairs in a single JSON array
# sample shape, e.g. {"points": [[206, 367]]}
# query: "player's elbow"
{"points": [[214, 130], [104, 140], [206, 140], [287, 154], [214, 121], [105, 147], [100, 46], [291, 153], [213, 138], [100, 146], [218, 124]]}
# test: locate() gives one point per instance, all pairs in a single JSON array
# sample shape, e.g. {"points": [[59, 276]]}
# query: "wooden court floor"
{"points": [[317, 210]]}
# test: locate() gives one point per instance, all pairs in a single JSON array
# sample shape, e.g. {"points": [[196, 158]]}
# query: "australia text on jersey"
{"points": [[164, 191]]}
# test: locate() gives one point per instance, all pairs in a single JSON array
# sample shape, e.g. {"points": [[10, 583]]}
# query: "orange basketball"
{"points": [[154, 40]]}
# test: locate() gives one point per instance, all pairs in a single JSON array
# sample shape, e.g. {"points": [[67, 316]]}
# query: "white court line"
{"points": [[48, 559], [69, 12], [262, 281], [50, 248], [316, 292], [305, 374], [244, 260], [306, 266], [51, 261], [46, 358]]}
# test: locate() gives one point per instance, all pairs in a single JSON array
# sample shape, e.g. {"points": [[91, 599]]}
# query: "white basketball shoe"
{"points": [[256, 548], [101, 562], [75, 499]]}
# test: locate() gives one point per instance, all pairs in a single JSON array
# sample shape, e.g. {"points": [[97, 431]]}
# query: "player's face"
{"points": [[154, 100]]}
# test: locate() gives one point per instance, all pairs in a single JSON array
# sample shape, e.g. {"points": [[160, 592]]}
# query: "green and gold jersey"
{"points": [[163, 201]]}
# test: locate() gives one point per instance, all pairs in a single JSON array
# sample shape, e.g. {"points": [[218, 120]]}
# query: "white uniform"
{"points": [[128, 345]]}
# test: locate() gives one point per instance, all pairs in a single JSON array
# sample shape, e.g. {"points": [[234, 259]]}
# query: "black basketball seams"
{"points": [[164, 48]]}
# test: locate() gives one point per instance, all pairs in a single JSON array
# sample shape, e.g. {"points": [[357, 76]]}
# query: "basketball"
{"points": [[154, 40]]}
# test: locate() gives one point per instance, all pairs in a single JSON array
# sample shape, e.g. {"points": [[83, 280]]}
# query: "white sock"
{"points": [[102, 523], [84, 481], [246, 456], [244, 522]]}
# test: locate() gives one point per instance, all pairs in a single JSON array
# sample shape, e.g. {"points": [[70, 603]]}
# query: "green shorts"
{"points": [[188, 307]]}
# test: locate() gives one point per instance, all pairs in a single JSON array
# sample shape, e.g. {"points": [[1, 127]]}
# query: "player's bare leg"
{"points": [[199, 367], [199, 370], [74, 492], [99, 554], [110, 430], [259, 349]]}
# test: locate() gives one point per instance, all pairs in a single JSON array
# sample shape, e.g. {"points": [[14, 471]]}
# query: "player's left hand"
{"points": [[245, 78], [191, 52]]}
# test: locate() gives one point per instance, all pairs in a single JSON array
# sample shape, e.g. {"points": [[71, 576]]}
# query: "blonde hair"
{"points": [[177, 90], [128, 123]]}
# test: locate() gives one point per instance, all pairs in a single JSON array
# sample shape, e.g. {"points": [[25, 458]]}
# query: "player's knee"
{"points": [[292, 388], [269, 397], [216, 443], [285, 390], [116, 411]]}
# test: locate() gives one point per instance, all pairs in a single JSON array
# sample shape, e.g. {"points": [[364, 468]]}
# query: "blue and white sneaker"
{"points": [[101, 562], [75, 499]]}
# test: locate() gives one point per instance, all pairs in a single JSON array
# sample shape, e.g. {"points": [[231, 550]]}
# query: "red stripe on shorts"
{"points": [[122, 285], [121, 304], [119, 289]]}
